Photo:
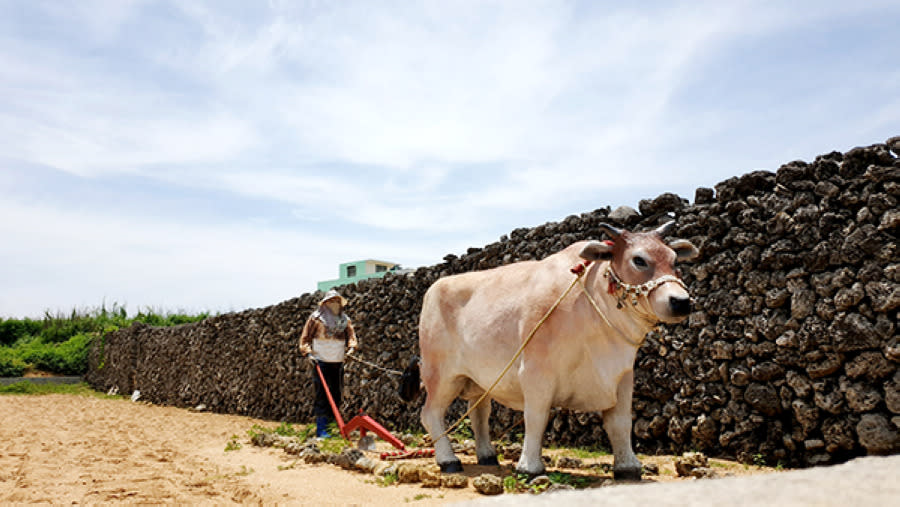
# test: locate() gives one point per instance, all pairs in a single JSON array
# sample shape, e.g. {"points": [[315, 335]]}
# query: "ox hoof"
{"points": [[531, 473], [489, 461], [627, 474], [452, 467]]}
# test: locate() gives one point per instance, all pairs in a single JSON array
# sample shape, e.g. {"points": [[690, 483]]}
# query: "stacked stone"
{"points": [[790, 354], [792, 350]]}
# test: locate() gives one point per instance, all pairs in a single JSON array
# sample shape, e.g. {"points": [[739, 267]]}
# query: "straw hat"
{"points": [[332, 294]]}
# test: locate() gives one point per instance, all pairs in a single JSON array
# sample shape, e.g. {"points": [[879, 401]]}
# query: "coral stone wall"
{"points": [[791, 353]]}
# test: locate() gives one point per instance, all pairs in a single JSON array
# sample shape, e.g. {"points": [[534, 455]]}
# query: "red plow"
{"points": [[362, 422]]}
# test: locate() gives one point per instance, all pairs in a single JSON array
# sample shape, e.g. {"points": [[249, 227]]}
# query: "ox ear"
{"points": [[684, 250], [596, 251]]}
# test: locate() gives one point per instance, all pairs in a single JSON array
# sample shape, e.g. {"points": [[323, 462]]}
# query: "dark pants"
{"points": [[334, 374]]}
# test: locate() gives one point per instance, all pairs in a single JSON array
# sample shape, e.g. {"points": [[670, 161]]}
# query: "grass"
{"points": [[518, 483], [388, 479], [576, 481], [581, 452], [60, 343], [287, 429], [302, 432], [28, 387], [585, 453], [334, 445], [233, 444], [463, 430]]}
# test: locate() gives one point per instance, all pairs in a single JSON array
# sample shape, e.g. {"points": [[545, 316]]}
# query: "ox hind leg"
{"points": [[617, 422], [537, 412], [436, 402], [480, 418]]}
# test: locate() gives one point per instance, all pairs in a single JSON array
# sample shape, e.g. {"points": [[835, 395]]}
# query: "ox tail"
{"points": [[411, 381]]}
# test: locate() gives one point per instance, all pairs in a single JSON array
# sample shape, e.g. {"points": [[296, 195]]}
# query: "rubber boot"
{"points": [[322, 427]]}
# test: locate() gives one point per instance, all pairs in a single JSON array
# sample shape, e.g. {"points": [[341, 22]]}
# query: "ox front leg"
{"points": [[617, 422], [484, 449], [536, 414]]}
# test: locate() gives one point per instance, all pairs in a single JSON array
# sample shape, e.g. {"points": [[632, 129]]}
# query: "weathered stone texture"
{"points": [[791, 350]]}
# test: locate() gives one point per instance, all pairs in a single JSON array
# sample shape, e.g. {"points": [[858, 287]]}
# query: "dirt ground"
{"points": [[68, 449]]}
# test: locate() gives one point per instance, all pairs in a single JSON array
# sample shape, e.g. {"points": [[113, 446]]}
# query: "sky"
{"points": [[187, 156]]}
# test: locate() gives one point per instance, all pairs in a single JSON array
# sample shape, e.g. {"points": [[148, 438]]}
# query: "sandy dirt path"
{"points": [[67, 449]]}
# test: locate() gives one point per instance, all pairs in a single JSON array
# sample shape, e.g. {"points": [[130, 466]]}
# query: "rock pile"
{"points": [[790, 355]]}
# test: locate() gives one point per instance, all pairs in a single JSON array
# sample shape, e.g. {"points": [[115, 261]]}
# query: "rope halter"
{"points": [[635, 291]]}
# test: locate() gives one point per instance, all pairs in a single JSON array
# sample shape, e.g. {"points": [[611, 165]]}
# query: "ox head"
{"points": [[642, 264]]}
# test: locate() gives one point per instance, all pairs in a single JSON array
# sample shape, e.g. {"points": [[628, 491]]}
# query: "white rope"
{"points": [[637, 291], [390, 372], [603, 316]]}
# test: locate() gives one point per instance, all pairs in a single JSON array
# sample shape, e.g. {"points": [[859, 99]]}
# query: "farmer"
{"points": [[327, 336]]}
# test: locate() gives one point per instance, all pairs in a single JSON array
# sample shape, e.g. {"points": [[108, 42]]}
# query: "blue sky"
{"points": [[217, 156]]}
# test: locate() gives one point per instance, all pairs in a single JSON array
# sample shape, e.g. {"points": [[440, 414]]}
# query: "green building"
{"points": [[352, 272]]}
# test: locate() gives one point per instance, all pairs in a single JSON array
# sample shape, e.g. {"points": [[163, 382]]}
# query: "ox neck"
{"points": [[637, 327]]}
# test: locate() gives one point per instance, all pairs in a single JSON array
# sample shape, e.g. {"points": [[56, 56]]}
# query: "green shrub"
{"points": [[13, 330], [66, 358], [11, 365], [60, 343], [73, 354]]}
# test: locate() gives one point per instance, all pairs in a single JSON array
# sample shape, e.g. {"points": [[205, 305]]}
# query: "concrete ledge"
{"points": [[863, 481]]}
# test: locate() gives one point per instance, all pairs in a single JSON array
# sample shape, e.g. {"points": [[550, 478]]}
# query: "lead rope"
{"points": [[603, 316], [380, 368]]}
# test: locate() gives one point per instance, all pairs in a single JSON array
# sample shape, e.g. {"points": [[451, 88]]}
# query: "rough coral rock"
{"points": [[795, 293], [488, 484]]}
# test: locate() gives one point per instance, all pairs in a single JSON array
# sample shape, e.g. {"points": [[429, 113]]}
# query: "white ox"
{"points": [[473, 323]]}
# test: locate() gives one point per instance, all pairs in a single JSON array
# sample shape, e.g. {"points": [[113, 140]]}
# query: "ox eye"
{"points": [[639, 262]]}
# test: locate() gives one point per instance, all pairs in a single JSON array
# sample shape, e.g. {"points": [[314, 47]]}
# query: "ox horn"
{"points": [[665, 228], [613, 232]]}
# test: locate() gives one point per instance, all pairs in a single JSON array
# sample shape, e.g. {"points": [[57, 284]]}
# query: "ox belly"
{"points": [[589, 378], [582, 383]]}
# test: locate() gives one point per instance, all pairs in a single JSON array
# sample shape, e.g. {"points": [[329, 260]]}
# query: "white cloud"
{"points": [[99, 21], [68, 258], [434, 121]]}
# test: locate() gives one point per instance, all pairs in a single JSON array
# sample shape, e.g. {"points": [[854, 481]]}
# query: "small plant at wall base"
{"points": [[233, 444], [464, 430], [388, 479]]}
